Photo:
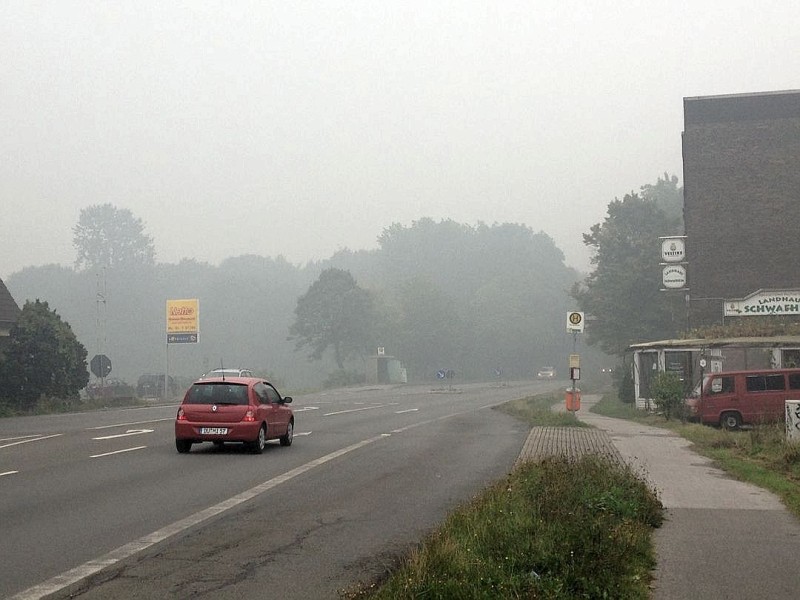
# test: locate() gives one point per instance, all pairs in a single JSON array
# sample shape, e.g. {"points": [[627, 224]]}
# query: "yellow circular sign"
{"points": [[575, 318]]}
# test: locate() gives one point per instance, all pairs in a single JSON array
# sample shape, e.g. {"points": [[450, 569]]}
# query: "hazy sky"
{"points": [[303, 127]]}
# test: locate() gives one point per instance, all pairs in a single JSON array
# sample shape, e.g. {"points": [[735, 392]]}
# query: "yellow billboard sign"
{"points": [[183, 320]]}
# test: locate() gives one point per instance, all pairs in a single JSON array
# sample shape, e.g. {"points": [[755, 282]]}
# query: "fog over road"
{"points": [[370, 471]]}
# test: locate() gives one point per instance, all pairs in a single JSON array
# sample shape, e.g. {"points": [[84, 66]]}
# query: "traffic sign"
{"points": [[182, 338], [100, 365], [575, 322]]}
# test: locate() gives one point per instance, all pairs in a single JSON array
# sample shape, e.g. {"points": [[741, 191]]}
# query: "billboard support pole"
{"points": [[166, 372]]}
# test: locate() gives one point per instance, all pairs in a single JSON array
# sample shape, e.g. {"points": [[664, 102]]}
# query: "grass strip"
{"points": [[555, 529], [538, 411]]}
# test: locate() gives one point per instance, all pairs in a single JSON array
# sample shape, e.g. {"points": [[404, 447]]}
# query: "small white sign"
{"points": [[673, 249], [575, 322], [674, 277]]}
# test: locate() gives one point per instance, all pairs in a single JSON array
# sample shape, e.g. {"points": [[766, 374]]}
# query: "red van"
{"points": [[731, 399]]}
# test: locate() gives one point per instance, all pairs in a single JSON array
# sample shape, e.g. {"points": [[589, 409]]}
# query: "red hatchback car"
{"points": [[233, 409]]}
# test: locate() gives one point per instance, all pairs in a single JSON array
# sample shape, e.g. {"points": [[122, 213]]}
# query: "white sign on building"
{"points": [[764, 302]]}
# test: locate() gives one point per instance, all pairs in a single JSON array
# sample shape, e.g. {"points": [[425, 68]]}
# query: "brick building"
{"points": [[741, 171]]}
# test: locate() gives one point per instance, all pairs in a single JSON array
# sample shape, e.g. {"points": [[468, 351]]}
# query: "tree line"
{"points": [[437, 295]]}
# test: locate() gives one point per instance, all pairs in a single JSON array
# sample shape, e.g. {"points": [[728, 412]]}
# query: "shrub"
{"points": [[667, 390], [343, 378]]}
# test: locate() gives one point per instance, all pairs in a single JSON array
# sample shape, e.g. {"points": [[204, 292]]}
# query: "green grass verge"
{"points": [[760, 455], [555, 529], [538, 411]]}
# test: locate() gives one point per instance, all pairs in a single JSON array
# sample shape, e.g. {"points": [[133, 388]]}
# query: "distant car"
{"points": [[151, 385], [228, 373], [248, 410], [546, 373], [111, 387]]}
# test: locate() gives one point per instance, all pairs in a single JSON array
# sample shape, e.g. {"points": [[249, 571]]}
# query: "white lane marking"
{"points": [[88, 569], [303, 433], [408, 410], [305, 408], [38, 439], [341, 412], [20, 437], [127, 424], [126, 434], [118, 452], [8, 473]]}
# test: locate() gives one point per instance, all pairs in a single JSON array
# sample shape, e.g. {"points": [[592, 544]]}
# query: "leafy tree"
{"points": [[667, 195], [43, 358], [430, 333], [106, 236], [335, 312], [623, 292]]}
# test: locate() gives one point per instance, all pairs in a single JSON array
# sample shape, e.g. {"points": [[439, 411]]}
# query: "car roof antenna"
{"points": [[222, 369]]}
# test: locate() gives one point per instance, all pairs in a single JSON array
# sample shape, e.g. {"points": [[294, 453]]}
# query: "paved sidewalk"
{"points": [[722, 539]]}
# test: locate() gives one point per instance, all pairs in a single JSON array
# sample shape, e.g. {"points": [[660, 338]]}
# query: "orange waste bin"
{"points": [[573, 399]]}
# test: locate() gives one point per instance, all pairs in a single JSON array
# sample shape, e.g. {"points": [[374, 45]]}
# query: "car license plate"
{"points": [[213, 430]]}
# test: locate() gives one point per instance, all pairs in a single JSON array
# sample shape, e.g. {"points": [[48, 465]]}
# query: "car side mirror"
{"points": [[287, 399]]}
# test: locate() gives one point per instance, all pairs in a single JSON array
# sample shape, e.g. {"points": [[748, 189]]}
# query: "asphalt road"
{"points": [[102, 505]]}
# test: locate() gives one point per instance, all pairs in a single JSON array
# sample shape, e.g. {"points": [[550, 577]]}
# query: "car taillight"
{"points": [[249, 416], [181, 415]]}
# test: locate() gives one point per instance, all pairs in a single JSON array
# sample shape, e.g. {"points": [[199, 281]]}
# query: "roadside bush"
{"points": [[668, 392], [343, 378]]}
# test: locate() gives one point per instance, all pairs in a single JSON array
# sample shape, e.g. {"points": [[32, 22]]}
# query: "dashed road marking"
{"points": [[36, 439], [117, 452], [126, 434]]}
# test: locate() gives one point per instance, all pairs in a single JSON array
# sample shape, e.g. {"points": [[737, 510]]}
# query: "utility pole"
{"points": [[100, 320]]}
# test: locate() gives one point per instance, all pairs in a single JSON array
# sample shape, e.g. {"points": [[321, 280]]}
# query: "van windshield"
{"points": [[695, 393]]}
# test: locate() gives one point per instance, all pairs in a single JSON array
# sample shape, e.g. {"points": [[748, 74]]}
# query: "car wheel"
{"points": [[260, 442], [286, 440], [731, 421], [183, 446]]}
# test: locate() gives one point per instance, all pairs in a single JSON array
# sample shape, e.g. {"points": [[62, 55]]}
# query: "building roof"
{"points": [[9, 311], [728, 108], [778, 341]]}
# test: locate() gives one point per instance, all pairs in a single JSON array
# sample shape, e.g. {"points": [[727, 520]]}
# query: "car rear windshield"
{"points": [[217, 393]]}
